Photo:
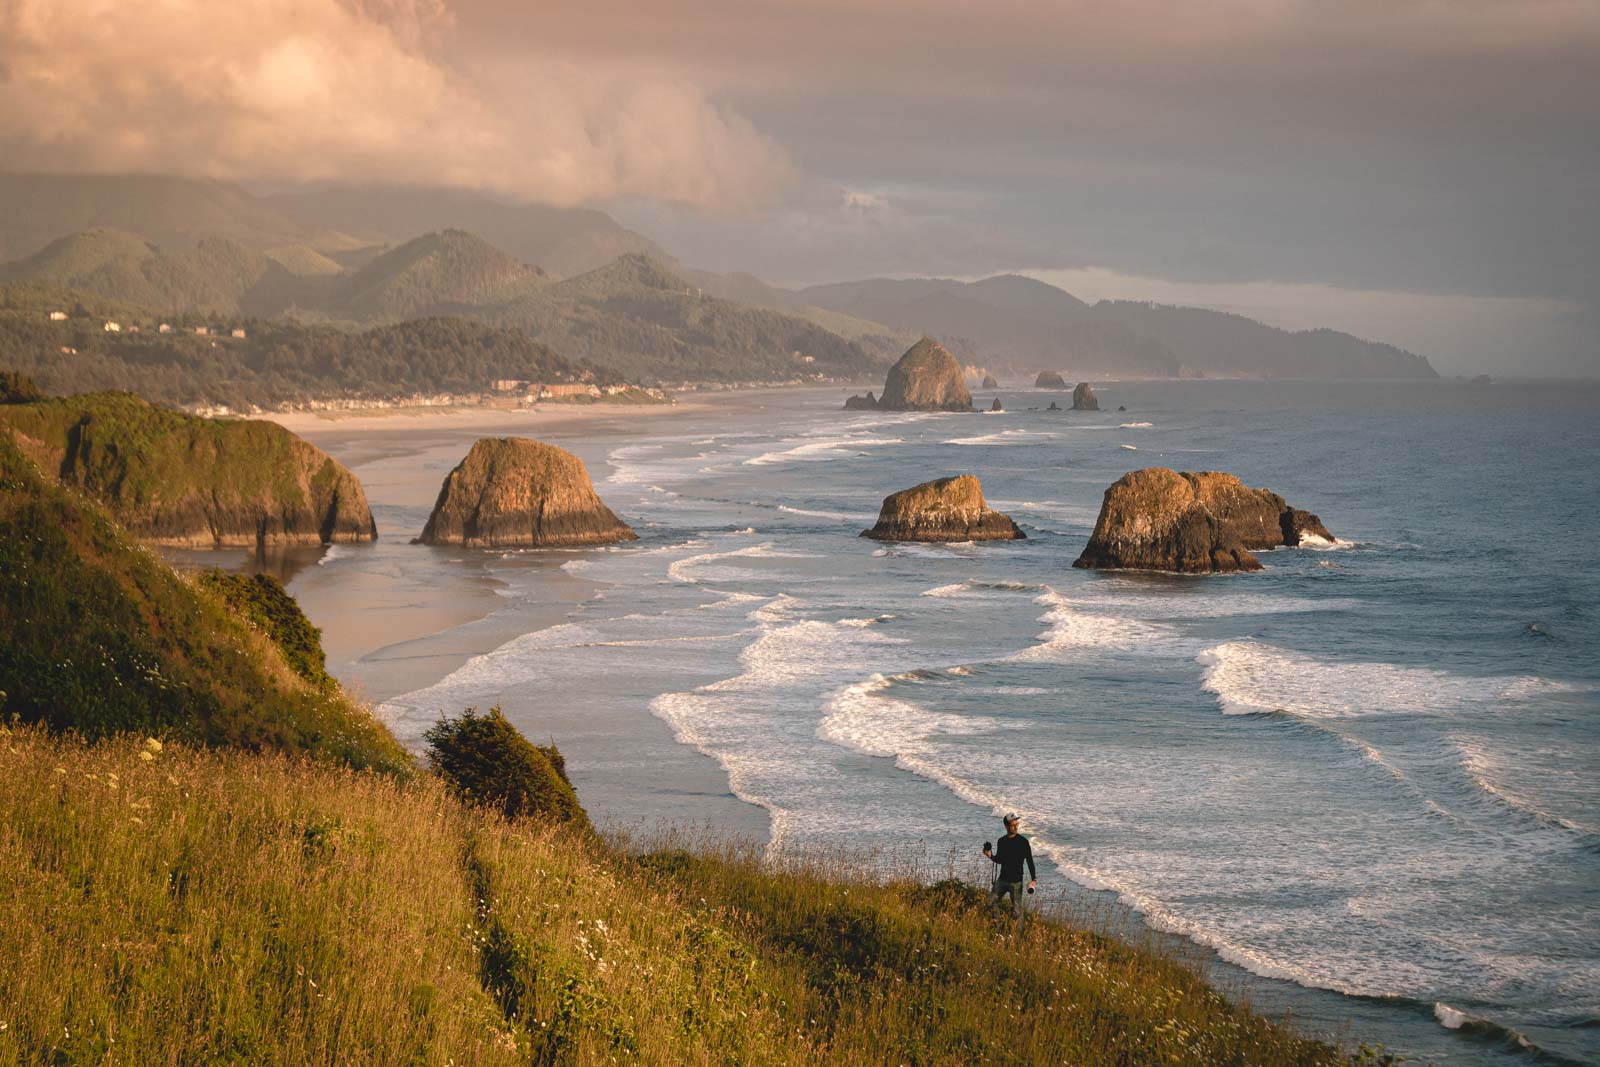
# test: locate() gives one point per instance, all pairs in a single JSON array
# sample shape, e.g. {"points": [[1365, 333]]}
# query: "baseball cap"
{"points": [[1011, 816]]}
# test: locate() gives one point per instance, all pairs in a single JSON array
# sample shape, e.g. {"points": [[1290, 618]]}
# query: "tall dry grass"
{"points": [[189, 906]]}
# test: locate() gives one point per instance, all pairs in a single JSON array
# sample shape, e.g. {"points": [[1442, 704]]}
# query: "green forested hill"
{"points": [[438, 272]]}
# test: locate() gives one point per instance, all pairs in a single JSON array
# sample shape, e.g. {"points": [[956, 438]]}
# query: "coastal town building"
{"points": [[112, 327], [238, 332], [57, 316], [164, 328]]}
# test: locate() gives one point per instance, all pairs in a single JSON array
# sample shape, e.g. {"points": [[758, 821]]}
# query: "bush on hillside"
{"points": [[488, 762], [18, 388], [262, 599]]}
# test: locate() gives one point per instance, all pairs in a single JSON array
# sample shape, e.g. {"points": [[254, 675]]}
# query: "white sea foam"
{"points": [[1449, 1017], [1489, 774], [1135, 425], [703, 567], [1129, 448], [825, 448], [1002, 437], [838, 516], [1251, 678], [1072, 628], [331, 553], [977, 588]]}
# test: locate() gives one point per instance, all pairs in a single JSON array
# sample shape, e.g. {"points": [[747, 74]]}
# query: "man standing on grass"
{"points": [[1010, 855]]}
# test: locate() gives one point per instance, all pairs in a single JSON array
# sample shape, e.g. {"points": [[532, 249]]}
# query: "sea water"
{"points": [[1366, 776]]}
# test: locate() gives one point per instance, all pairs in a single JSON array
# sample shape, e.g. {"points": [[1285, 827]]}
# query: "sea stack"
{"points": [[944, 510], [1083, 398], [1159, 519], [182, 481], [989, 382], [997, 406], [1049, 379], [510, 492], [861, 403], [926, 378]]}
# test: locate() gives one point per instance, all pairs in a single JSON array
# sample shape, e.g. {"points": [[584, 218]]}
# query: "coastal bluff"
{"points": [[1160, 519], [943, 510], [926, 378], [511, 492], [181, 481]]}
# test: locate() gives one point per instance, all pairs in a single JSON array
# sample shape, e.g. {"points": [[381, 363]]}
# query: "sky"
{"points": [[1426, 173]]}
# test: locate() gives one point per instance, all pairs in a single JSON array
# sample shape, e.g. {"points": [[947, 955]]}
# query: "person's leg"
{"points": [[1018, 907], [997, 893]]}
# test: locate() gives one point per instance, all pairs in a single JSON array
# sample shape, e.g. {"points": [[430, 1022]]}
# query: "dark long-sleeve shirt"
{"points": [[1010, 853]]}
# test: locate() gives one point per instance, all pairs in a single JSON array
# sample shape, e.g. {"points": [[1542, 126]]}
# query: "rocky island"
{"points": [[943, 510], [178, 480], [1159, 519], [1049, 379], [989, 382], [1083, 398], [510, 492], [926, 378]]}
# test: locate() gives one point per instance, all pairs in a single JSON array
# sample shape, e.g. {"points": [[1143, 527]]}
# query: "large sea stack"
{"points": [[1049, 379], [989, 382], [1165, 520], [945, 510], [178, 480], [926, 378], [1083, 398], [510, 492]]}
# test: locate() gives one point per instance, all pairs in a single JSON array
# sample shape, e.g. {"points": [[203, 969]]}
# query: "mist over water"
{"points": [[1369, 769]]}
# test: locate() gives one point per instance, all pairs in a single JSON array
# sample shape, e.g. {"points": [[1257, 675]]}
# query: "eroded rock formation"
{"points": [[926, 378], [1049, 379], [997, 406], [946, 510], [510, 492], [1083, 398], [1195, 523], [989, 382], [861, 403]]}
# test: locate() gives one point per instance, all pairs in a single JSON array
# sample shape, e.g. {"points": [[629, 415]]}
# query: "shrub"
{"points": [[18, 388], [488, 762], [262, 599]]}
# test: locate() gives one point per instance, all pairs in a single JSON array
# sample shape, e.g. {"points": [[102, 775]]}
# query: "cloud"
{"points": [[311, 90]]}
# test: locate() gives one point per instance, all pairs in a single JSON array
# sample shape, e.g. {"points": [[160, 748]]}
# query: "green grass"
{"points": [[195, 905], [101, 636]]}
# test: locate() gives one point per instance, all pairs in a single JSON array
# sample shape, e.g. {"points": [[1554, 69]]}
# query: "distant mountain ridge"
{"points": [[1025, 325]]}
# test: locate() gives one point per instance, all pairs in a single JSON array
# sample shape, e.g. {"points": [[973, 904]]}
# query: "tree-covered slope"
{"points": [[103, 637], [437, 272]]}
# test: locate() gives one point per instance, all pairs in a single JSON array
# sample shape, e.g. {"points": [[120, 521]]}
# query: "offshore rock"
{"points": [[1049, 379], [510, 492], [1193, 523], [1083, 398], [989, 382], [861, 403], [1053, 406], [945, 510], [182, 481], [997, 406], [926, 378]]}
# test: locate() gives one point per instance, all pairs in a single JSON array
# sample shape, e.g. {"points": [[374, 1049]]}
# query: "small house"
{"points": [[164, 328], [57, 316], [238, 332], [112, 327]]}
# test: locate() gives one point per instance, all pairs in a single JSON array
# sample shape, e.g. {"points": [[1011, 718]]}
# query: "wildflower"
{"points": [[147, 756], [152, 744]]}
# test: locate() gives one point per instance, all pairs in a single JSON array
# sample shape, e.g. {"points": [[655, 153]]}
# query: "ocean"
{"points": [[1363, 781]]}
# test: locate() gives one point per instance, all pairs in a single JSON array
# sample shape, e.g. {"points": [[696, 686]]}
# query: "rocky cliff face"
{"points": [[1049, 379], [1083, 398], [173, 479], [926, 378], [510, 492], [1166, 520], [947, 510]]}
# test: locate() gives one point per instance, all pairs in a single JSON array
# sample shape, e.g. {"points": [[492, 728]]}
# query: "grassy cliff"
{"points": [[177, 479], [211, 905], [103, 637]]}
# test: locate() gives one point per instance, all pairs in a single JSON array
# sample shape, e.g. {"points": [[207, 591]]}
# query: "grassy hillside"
{"points": [[198, 906], [102, 637]]}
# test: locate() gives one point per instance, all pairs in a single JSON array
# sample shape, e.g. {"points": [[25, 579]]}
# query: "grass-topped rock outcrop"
{"points": [[510, 492], [174, 479], [1209, 522], [948, 510], [926, 378], [103, 637]]}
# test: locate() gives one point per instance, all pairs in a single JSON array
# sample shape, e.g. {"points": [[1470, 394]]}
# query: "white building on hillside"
{"points": [[57, 316], [112, 327]]}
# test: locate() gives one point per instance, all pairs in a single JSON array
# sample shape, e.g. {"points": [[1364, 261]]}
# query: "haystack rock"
{"points": [[1083, 398], [1049, 379], [926, 378], [510, 492], [989, 382], [861, 403], [1165, 520], [997, 406], [947, 510]]}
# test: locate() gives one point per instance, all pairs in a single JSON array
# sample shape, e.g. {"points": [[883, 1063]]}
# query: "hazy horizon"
{"points": [[1414, 173]]}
